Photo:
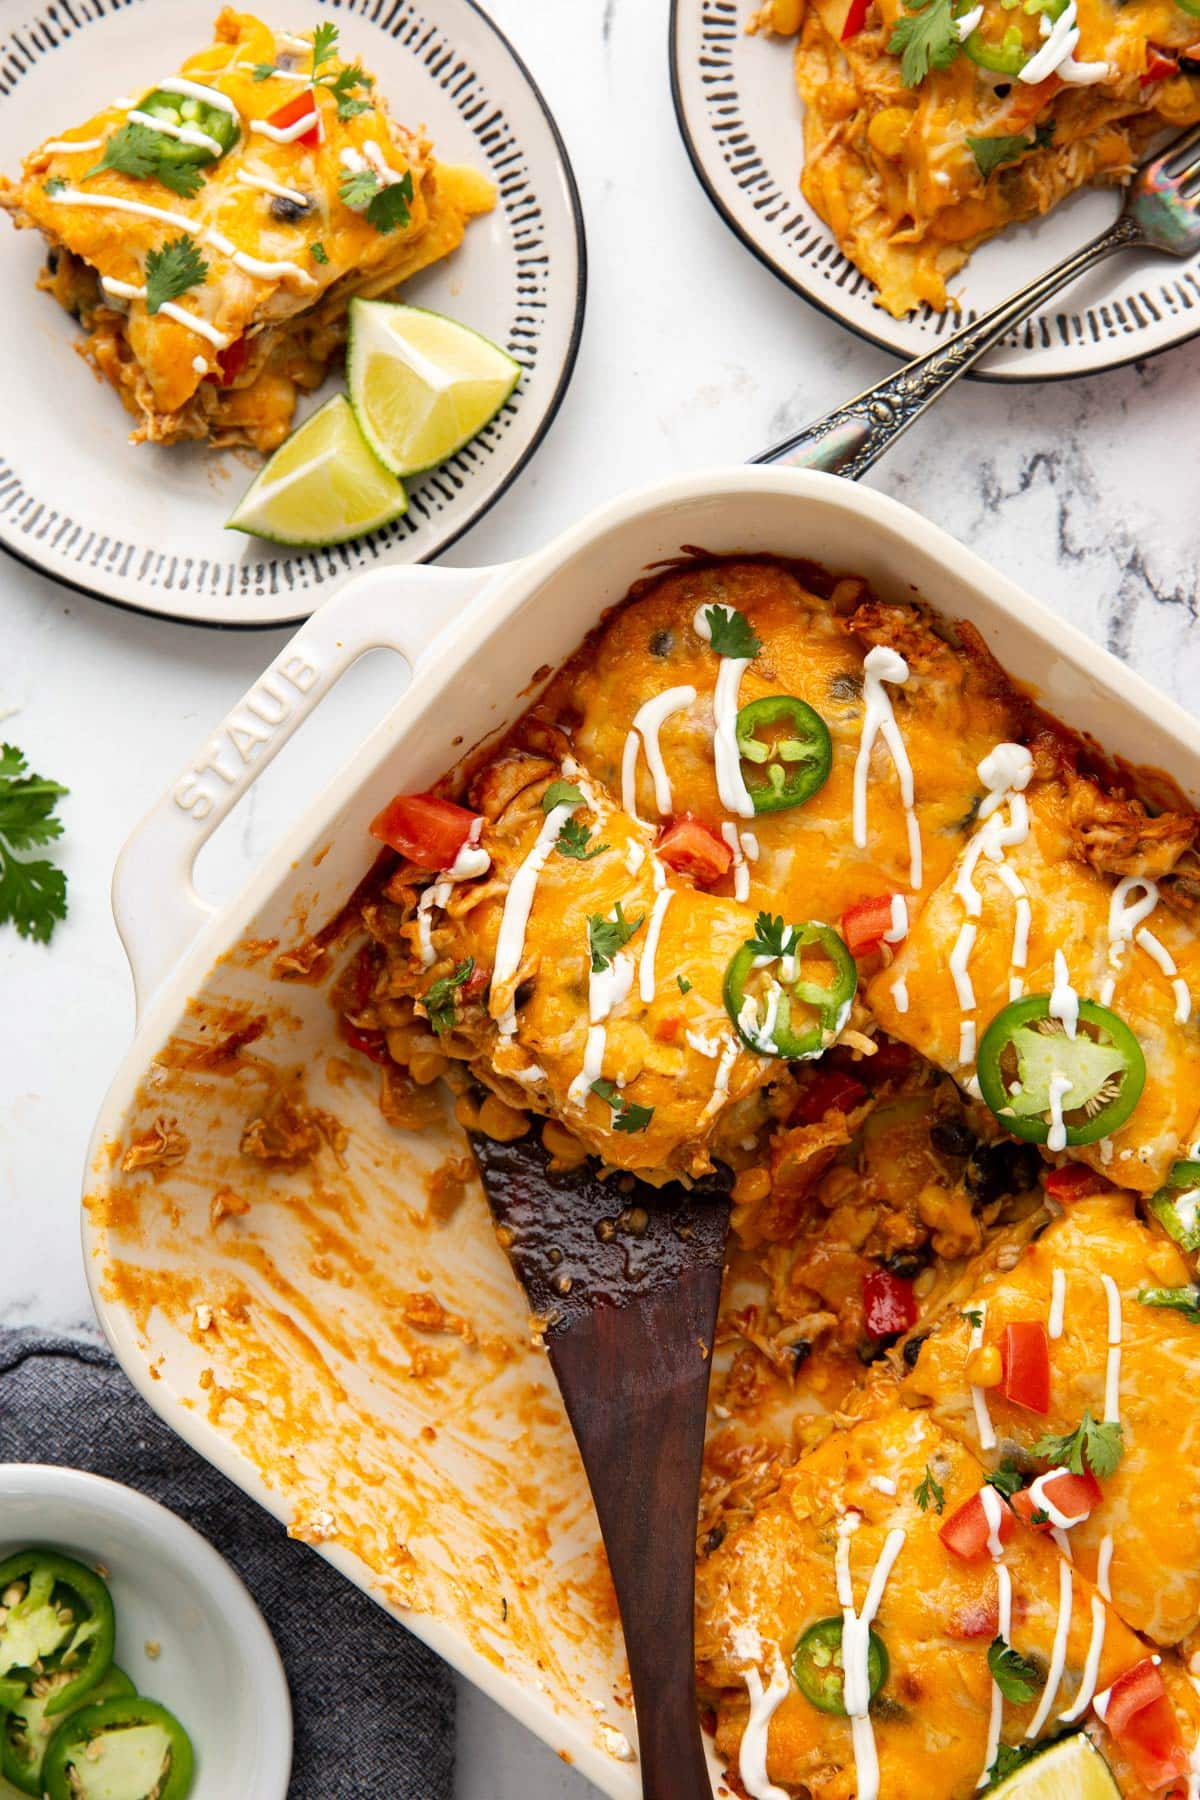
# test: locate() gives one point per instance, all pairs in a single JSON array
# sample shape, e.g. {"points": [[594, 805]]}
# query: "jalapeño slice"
{"points": [[199, 119], [788, 989], [1023, 1050], [56, 1626], [786, 751], [124, 1749], [1176, 1205], [820, 1673], [26, 1731]]}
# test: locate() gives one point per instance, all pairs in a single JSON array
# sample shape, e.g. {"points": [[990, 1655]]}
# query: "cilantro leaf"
{"points": [[1039, 1516], [685, 986], [731, 633], [930, 1492], [1006, 1480], [561, 793], [137, 151], [359, 188], [325, 39], [172, 270], [1096, 1447], [342, 86], [924, 38], [993, 152], [439, 1000], [1016, 1678], [55, 185], [573, 841], [264, 71], [607, 936], [772, 937], [389, 210], [1009, 1758], [1183, 1300], [627, 1116], [974, 1316], [33, 893], [319, 253]]}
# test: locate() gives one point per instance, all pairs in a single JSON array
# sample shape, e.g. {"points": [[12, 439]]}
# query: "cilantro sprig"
{"points": [[386, 205], [341, 85], [33, 892], [440, 999], [924, 37], [561, 793], [1006, 1480], [627, 1115], [147, 155], [1015, 1676], [1009, 1758], [731, 633], [1090, 1446], [993, 152], [772, 936], [607, 936], [172, 270], [575, 841], [930, 1492]]}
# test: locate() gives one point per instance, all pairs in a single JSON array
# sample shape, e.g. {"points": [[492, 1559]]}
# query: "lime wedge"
{"points": [[1072, 1769], [421, 385], [321, 487]]}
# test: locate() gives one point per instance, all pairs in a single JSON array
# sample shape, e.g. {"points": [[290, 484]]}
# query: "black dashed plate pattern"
{"points": [[742, 123], [143, 526]]}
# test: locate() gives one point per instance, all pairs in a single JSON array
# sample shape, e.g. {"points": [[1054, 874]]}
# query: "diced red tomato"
{"points": [[856, 18], [866, 924], [295, 109], [1075, 1496], [371, 1043], [967, 1530], [1073, 1182], [428, 831], [231, 361], [1138, 1712], [889, 1304], [1161, 64], [1025, 1359], [690, 848], [829, 1090], [890, 1061]]}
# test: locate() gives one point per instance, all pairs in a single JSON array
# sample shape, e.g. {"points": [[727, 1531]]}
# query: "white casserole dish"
{"points": [[441, 1480]]}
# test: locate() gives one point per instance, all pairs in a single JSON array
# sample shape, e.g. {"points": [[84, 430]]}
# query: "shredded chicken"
{"points": [[160, 1147], [1118, 836], [287, 1133]]}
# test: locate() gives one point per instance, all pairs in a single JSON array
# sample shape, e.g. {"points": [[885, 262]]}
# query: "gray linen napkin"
{"points": [[374, 1709]]}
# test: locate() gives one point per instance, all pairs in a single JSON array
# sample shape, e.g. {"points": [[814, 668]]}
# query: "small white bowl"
{"points": [[216, 1665]]}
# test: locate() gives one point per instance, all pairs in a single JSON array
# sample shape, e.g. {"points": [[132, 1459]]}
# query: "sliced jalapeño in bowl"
{"points": [[786, 751], [789, 988], [122, 1749], [1034, 1077], [25, 1730], [819, 1670], [56, 1627], [206, 132]]}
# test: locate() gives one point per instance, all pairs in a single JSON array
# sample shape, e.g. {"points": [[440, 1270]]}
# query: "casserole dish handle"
{"points": [[155, 903]]}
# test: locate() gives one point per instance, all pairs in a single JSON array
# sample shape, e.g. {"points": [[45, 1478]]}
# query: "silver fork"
{"points": [[1161, 212]]}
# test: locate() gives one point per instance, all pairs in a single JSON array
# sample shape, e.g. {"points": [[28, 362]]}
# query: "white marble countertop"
{"points": [[692, 354]]}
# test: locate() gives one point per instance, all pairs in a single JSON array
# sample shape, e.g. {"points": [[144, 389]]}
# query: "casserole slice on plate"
{"points": [[209, 234]]}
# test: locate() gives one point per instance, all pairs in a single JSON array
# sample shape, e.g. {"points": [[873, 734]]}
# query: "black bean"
{"points": [[523, 995], [662, 643], [715, 1539], [287, 211], [870, 1350], [912, 1349], [999, 1169], [52, 263], [800, 1352], [285, 60], [952, 1137], [907, 1264]]}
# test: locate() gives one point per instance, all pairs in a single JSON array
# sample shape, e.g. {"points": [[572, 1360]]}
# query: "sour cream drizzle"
{"points": [[735, 795], [208, 234], [286, 134], [1060, 1086], [983, 1418], [856, 1643], [127, 290], [741, 872], [900, 994], [195, 90], [64, 146], [647, 722], [183, 134], [1091, 1667], [879, 720], [1058, 1654], [267, 186], [1058, 1302], [1057, 54], [1112, 1372], [752, 1754], [518, 903], [720, 1080], [1064, 1001], [1126, 920], [1104, 1566], [1004, 1629], [647, 986]]}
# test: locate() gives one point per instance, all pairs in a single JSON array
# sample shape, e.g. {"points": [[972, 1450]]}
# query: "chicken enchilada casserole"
{"points": [[210, 234], [783, 880], [931, 125]]}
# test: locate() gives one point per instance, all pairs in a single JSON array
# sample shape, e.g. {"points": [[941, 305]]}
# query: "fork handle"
{"points": [[848, 440]]}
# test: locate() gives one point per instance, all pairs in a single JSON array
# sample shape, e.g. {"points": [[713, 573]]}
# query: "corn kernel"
{"points": [[889, 129]]}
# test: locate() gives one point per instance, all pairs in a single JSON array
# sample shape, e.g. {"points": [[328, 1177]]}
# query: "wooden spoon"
{"points": [[628, 1278]]}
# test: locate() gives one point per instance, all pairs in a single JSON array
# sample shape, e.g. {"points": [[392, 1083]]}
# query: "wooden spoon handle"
{"points": [[635, 1382]]}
